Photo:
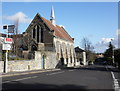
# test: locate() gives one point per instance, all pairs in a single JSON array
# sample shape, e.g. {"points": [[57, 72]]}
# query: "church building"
{"points": [[48, 43]]}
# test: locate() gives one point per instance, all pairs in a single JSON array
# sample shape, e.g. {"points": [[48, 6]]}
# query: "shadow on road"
{"points": [[95, 68], [15, 85]]}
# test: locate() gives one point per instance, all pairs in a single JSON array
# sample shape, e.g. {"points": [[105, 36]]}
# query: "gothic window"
{"points": [[42, 35], [70, 56], [38, 33], [34, 32]]}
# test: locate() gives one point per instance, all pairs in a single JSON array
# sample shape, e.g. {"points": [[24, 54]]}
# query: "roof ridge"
{"points": [[58, 30]]}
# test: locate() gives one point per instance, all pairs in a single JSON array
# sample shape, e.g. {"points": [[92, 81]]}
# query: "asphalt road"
{"points": [[94, 77]]}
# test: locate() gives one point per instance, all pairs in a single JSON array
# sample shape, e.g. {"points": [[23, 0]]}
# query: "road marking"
{"points": [[116, 84], [55, 73], [20, 79], [70, 70]]}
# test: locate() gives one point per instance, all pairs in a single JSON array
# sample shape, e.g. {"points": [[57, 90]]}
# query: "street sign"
{"points": [[5, 27], [8, 40], [6, 47], [11, 28]]}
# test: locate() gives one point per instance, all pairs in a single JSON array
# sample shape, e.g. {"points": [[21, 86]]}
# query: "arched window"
{"points": [[41, 35], [38, 33], [34, 32]]}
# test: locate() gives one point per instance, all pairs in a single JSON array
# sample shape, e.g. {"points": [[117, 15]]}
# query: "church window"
{"points": [[38, 33], [42, 35], [34, 32]]}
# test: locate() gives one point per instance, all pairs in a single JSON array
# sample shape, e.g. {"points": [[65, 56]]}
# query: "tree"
{"points": [[87, 45], [109, 53], [15, 37], [117, 57]]}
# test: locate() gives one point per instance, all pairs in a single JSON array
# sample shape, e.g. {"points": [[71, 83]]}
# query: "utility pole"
{"points": [[113, 53]]}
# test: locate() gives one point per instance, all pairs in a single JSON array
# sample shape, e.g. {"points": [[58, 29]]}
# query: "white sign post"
{"points": [[7, 43], [6, 47]]}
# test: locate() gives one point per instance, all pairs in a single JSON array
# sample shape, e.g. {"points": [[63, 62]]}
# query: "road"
{"points": [[84, 78]]}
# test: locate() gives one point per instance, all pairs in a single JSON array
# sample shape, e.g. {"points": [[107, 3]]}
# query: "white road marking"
{"points": [[21, 79], [116, 84], [55, 73], [70, 70]]}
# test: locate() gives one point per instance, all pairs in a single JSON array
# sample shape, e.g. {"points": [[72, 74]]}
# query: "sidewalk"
{"points": [[26, 72], [31, 72]]}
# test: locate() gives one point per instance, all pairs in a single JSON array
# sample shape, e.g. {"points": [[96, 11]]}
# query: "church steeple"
{"points": [[52, 16]]}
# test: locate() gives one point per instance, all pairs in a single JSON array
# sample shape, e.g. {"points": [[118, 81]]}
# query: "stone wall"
{"points": [[1, 66], [50, 60], [20, 65], [46, 60]]}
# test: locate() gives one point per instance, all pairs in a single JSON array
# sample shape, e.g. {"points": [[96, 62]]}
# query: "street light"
{"points": [[113, 53]]}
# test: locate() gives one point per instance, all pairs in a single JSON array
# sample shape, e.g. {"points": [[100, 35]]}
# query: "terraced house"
{"points": [[48, 43]]}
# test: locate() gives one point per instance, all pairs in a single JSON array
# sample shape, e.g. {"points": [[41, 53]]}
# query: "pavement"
{"points": [[32, 71], [26, 72]]}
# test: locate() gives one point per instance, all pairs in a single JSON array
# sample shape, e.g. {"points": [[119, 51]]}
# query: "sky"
{"points": [[98, 21]]}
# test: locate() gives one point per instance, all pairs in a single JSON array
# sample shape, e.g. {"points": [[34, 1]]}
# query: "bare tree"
{"points": [[15, 36], [87, 45]]}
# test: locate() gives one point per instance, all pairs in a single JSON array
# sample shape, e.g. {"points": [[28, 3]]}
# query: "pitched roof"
{"points": [[59, 31], [77, 49]]}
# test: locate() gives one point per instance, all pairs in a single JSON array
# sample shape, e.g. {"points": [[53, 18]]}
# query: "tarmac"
{"points": [[31, 72], [26, 72]]}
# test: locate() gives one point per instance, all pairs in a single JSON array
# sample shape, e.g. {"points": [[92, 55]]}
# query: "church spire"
{"points": [[52, 16]]}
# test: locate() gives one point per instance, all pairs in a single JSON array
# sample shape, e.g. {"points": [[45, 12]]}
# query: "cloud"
{"points": [[106, 40], [23, 18], [102, 45]]}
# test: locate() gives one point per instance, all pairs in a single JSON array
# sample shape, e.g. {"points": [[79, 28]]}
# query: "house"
{"points": [[48, 43], [80, 56]]}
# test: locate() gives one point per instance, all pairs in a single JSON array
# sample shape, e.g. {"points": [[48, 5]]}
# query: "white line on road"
{"points": [[55, 73], [116, 84], [21, 79], [70, 70]]}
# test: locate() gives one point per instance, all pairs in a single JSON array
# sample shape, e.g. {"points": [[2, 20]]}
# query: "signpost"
{"points": [[6, 47], [8, 40], [11, 28], [7, 43]]}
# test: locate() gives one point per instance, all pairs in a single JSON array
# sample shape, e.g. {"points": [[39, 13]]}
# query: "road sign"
{"points": [[6, 47], [11, 28], [8, 40], [5, 27]]}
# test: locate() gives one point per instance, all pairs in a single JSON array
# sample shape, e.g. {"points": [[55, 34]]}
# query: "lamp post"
{"points": [[113, 58]]}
